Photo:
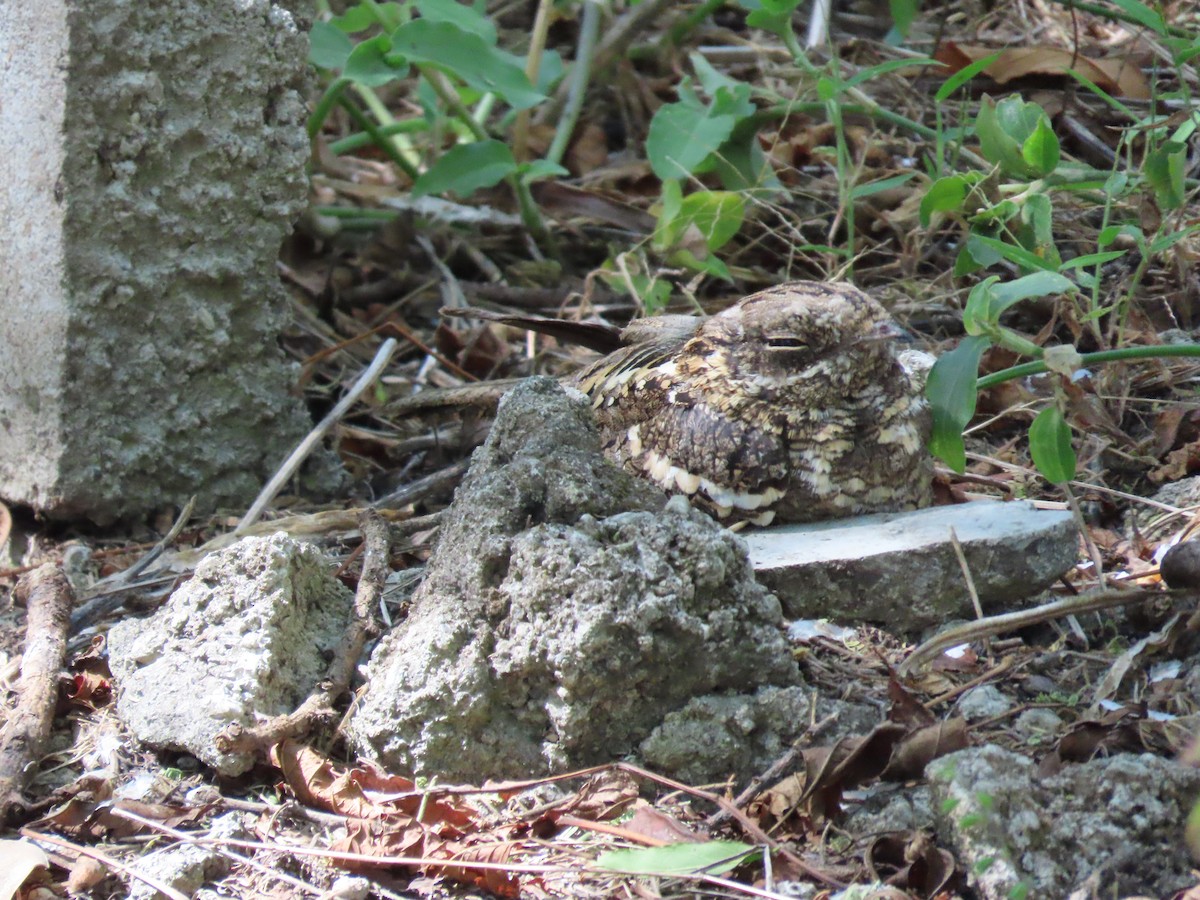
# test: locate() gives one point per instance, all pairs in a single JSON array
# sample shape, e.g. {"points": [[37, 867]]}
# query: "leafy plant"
{"points": [[453, 50], [1008, 214]]}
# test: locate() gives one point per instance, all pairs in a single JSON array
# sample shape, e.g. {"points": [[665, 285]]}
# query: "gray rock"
{"points": [[187, 866], [983, 702], [900, 569], [1039, 727], [248, 637], [152, 159], [889, 807], [553, 629], [1117, 820]]}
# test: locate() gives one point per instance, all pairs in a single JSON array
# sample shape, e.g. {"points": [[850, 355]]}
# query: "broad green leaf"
{"points": [[883, 184], [681, 137], [372, 63], [710, 265], [965, 263], [328, 46], [717, 214], [1112, 232], [468, 57], [1040, 149], [1038, 232], [732, 101], [963, 75], [711, 857], [977, 314], [1036, 284], [468, 18], [362, 16], [467, 168], [741, 164], [1003, 129], [951, 392], [1165, 170], [776, 23], [979, 246], [1050, 446], [944, 195], [709, 77]]}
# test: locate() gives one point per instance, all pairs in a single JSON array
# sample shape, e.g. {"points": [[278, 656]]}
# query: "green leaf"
{"points": [[466, 169], [977, 314], [711, 857], [965, 263], [963, 75], [1037, 233], [979, 246], [1143, 15], [952, 395], [468, 18], [1040, 149], [718, 215], [741, 164], [371, 63], [892, 65], [1091, 259], [681, 137], [1050, 446], [328, 46], [363, 16], [468, 57], [776, 23], [1165, 241], [944, 195], [883, 184], [1165, 170], [1036, 284], [537, 169], [710, 78], [1003, 129], [903, 13]]}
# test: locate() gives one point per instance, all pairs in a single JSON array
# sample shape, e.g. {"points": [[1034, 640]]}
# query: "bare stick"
{"points": [[48, 598], [973, 631], [292, 463]]}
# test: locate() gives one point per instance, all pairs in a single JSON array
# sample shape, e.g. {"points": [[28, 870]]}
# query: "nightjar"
{"points": [[789, 406]]}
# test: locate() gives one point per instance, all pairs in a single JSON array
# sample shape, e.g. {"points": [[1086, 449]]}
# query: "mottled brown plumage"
{"points": [[789, 406]]}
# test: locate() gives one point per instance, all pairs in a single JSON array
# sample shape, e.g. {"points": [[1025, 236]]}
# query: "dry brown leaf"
{"points": [[923, 746], [1117, 76]]}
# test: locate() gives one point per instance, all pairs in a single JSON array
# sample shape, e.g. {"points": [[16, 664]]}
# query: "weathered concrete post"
{"points": [[151, 161]]}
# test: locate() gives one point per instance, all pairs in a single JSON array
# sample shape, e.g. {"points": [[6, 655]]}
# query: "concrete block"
{"points": [[151, 161], [900, 570]]}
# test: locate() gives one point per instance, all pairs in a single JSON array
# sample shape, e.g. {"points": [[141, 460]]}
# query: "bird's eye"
{"points": [[786, 343]]}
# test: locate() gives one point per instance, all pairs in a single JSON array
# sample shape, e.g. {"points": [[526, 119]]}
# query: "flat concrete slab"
{"points": [[900, 570]]}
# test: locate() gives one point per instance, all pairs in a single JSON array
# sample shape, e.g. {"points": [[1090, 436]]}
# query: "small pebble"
{"points": [[1180, 566]]}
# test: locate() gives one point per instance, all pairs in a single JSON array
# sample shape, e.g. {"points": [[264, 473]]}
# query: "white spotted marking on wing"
{"points": [[635, 440]]}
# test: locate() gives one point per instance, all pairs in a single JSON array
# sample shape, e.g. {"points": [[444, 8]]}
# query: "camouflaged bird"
{"points": [[789, 406]]}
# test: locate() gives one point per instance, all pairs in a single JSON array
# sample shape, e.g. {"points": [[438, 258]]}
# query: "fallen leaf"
{"points": [[1117, 76]]}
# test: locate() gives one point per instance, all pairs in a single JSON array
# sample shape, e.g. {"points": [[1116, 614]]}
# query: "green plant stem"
{"points": [[363, 121], [581, 72], [531, 216], [361, 139], [325, 105], [681, 29], [1089, 359]]}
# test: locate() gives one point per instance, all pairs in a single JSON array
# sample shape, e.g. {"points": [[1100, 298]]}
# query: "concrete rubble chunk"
{"points": [[556, 628], [1115, 824], [900, 570], [247, 637], [152, 159]]}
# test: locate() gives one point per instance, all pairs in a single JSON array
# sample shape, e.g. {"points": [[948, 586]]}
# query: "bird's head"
{"points": [[820, 334]]}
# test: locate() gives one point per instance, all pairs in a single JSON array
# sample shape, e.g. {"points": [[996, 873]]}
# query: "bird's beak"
{"points": [[885, 330]]}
